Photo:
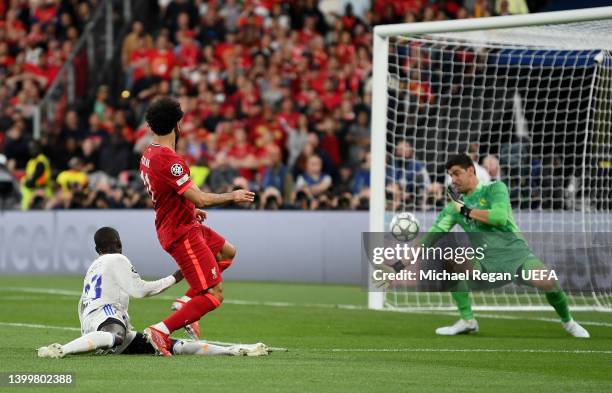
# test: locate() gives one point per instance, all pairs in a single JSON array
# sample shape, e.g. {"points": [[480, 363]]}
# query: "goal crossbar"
{"points": [[494, 22]]}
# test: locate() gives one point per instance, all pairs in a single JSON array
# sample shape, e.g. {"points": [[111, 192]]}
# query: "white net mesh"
{"points": [[533, 106]]}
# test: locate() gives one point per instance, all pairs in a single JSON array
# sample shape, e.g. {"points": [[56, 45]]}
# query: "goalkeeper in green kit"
{"points": [[483, 211]]}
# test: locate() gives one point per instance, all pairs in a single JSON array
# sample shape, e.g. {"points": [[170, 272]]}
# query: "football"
{"points": [[404, 226]]}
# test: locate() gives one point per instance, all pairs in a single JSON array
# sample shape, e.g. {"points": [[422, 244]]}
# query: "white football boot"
{"points": [[460, 327], [259, 349], [53, 351], [574, 328]]}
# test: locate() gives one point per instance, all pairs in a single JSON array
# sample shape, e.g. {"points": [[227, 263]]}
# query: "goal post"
{"points": [[531, 90]]}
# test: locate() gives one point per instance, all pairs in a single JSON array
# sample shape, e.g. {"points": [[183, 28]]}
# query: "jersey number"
{"points": [[96, 281], [147, 184]]}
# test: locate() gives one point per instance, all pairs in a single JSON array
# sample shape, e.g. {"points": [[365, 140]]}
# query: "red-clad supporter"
{"points": [[331, 95], [187, 50], [139, 58], [46, 12], [329, 141], [288, 114], [345, 49], [161, 58], [309, 31], [241, 154], [266, 125]]}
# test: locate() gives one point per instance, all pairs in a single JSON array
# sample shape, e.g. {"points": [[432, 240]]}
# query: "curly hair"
{"points": [[163, 115]]}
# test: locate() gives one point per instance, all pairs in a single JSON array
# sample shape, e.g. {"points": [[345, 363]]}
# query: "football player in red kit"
{"points": [[200, 252]]}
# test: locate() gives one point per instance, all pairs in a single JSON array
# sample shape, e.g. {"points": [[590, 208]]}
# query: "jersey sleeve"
{"points": [[175, 172], [129, 280], [443, 224], [500, 204]]}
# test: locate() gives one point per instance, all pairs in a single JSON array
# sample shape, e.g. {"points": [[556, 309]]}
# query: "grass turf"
{"points": [[331, 349]]}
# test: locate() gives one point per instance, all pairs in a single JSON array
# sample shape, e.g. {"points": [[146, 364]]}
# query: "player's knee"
{"points": [[228, 251], [219, 297], [217, 293]]}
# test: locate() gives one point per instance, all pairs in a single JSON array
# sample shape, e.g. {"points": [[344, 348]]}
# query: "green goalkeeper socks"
{"points": [[464, 304], [558, 300]]}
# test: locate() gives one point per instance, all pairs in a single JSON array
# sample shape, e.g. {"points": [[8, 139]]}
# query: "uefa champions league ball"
{"points": [[404, 227]]}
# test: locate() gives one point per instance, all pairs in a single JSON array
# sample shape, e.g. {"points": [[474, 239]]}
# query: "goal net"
{"points": [[531, 101]]}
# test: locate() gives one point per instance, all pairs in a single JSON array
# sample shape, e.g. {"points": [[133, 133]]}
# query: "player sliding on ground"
{"points": [[199, 251], [103, 310], [484, 212]]}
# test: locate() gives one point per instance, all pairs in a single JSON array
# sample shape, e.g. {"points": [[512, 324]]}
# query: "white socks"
{"points": [[89, 342], [200, 348]]}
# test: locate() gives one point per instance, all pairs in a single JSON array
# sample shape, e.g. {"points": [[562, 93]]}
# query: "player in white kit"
{"points": [[105, 324]]}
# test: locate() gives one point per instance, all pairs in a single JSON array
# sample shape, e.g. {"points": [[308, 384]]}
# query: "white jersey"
{"points": [[109, 282]]}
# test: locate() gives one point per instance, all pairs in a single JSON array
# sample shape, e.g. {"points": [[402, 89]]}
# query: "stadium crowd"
{"points": [[276, 98]]}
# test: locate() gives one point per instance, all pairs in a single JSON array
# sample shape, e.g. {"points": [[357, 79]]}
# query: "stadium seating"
{"points": [[264, 85]]}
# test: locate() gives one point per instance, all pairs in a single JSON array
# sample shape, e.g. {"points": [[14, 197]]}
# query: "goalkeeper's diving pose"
{"points": [[484, 212], [105, 324]]}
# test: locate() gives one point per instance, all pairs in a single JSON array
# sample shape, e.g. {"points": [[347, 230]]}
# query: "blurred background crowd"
{"points": [[276, 95]]}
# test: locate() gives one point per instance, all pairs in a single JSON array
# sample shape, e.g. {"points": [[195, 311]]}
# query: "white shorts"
{"points": [[92, 321]]}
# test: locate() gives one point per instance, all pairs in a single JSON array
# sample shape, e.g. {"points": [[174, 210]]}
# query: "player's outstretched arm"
{"points": [[129, 280], [206, 199]]}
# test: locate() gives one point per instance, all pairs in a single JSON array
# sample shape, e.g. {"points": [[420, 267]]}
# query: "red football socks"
{"points": [[225, 264], [192, 311]]}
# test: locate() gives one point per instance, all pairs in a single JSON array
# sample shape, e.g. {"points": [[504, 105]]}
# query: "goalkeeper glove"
{"points": [[457, 201]]}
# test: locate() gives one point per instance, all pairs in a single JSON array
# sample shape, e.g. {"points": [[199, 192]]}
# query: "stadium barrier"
{"points": [[298, 246], [318, 247]]}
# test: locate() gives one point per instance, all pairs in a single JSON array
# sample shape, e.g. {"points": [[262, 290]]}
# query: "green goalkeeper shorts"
{"points": [[511, 267]]}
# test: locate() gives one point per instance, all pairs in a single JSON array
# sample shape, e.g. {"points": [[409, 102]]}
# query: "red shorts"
{"points": [[213, 239], [196, 260]]}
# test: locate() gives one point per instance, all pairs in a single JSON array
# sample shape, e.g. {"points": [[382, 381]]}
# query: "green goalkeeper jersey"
{"points": [[500, 237]]}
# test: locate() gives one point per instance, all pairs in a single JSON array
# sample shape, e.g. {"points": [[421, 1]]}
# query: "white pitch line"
{"points": [[52, 291], [515, 318], [38, 326], [47, 291], [569, 351]]}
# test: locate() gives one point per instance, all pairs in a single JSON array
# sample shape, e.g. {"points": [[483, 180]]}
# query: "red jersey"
{"points": [[166, 177]]}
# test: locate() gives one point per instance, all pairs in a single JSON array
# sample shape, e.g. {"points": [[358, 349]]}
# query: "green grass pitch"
{"points": [[331, 348]]}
